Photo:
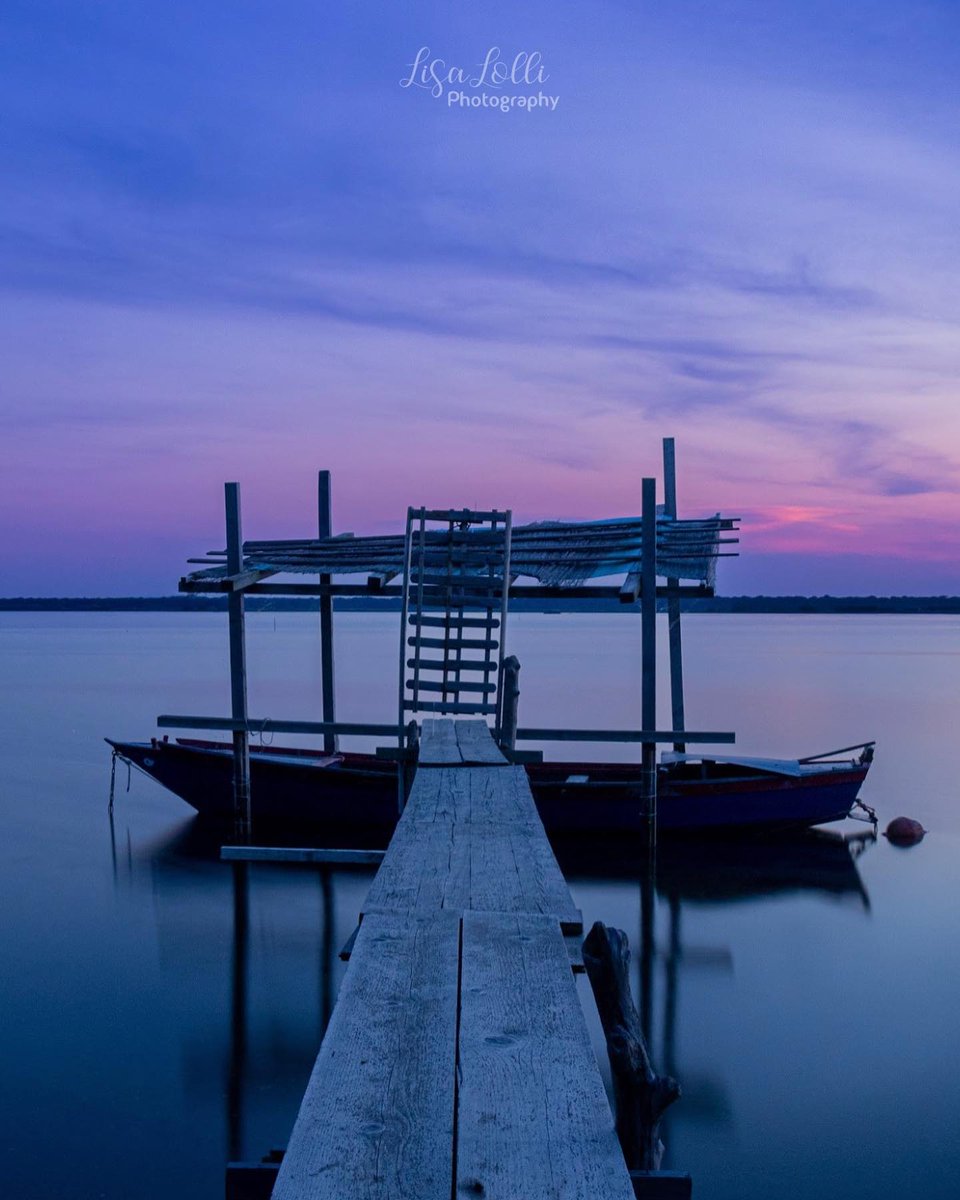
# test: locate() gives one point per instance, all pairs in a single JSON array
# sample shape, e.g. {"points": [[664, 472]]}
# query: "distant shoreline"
{"points": [[717, 604]]}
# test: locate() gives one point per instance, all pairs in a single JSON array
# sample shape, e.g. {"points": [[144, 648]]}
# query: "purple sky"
{"points": [[235, 247]]}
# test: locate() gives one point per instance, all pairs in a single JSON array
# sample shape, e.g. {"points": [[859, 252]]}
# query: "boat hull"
{"points": [[294, 788]]}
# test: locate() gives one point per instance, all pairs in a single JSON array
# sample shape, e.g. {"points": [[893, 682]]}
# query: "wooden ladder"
{"points": [[456, 582]]}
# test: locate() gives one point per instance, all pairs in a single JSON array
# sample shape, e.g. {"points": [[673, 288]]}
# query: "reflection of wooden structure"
{"points": [[560, 557], [457, 1060]]}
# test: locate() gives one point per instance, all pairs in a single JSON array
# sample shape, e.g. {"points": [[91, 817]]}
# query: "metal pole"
{"points": [[673, 602], [325, 530], [238, 665], [648, 620]]}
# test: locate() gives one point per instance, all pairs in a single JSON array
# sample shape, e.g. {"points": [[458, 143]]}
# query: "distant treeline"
{"points": [[716, 604]]}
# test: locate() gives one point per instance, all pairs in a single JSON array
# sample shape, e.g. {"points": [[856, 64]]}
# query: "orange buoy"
{"points": [[905, 831]]}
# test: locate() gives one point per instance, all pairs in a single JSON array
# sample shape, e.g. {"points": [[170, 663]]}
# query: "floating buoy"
{"points": [[904, 831]]}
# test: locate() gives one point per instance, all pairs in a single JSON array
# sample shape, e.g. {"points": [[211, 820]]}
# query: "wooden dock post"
{"points": [[328, 698], [641, 1095], [511, 701], [673, 601], [648, 622], [238, 665]]}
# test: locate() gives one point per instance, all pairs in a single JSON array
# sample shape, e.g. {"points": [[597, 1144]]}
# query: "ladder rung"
{"points": [[442, 539], [453, 644], [456, 685], [473, 583], [448, 706], [457, 514], [461, 622], [441, 556], [435, 600], [452, 665]]}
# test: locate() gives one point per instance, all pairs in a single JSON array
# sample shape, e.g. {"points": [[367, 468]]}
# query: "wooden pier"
{"points": [[457, 1061]]}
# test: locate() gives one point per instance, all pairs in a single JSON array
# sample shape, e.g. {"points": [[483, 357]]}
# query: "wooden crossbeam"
{"points": [[624, 735]]}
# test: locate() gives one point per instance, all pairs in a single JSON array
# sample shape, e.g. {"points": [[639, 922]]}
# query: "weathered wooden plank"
{"points": [[438, 742], [476, 743], [304, 854], [377, 1119], [426, 869], [472, 839], [480, 795], [514, 870], [532, 1116]]}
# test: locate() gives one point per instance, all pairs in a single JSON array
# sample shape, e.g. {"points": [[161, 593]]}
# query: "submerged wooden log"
{"points": [[642, 1096]]}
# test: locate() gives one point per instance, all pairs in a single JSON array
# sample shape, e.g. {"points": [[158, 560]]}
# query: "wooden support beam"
{"points": [[268, 725], [707, 737], [250, 1181], [661, 1185], [301, 854], [648, 621], [631, 588], [241, 581], [328, 691], [642, 1096], [694, 591], [673, 601], [238, 666], [511, 702]]}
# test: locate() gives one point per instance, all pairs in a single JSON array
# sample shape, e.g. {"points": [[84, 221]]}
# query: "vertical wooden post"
{"points": [[673, 602], [328, 698], [238, 1017], [648, 621], [510, 691], [238, 665]]}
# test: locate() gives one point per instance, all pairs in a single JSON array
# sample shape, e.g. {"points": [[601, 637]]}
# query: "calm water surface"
{"points": [[159, 1018]]}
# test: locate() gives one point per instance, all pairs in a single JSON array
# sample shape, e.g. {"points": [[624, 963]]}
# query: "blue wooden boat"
{"points": [[696, 793]]}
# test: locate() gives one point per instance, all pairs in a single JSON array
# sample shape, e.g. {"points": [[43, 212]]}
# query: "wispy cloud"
{"points": [[232, 238]]}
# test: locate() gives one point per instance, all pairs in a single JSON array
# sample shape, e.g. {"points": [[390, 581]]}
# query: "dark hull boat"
{"points": [[305, 788]]}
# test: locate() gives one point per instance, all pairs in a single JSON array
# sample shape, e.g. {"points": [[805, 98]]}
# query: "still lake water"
{"points": [[156, 1024]]}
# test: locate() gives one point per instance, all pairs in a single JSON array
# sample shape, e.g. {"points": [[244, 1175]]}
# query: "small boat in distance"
{"points": [[302, 788]]}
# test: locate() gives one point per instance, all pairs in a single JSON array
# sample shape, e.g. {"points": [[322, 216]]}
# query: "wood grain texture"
{"points": [[641, 1095], [476, 743], [377, 1116], [438, 742], [493, 795], [533, 1118], [472, 839], [447, 743]]}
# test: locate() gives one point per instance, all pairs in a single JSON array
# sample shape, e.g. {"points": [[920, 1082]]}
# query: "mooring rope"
{"points": [[871, 813]]}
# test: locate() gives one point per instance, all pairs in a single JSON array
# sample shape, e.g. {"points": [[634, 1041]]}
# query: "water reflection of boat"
{"points": [[694, 873], [296, 787], [723, 871]]}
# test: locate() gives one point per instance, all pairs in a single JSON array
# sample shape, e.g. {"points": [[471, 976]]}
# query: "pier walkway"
{"points": [[457, 1061]]}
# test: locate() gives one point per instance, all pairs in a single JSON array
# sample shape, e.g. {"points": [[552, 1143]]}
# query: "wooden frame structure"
{"points": [[658, 545]]}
